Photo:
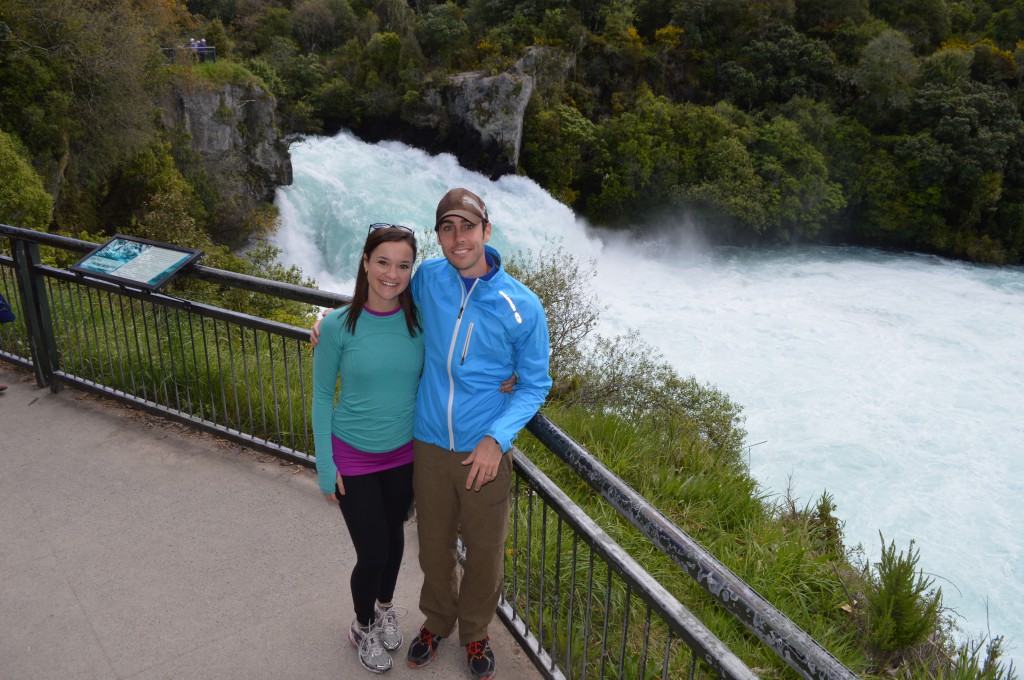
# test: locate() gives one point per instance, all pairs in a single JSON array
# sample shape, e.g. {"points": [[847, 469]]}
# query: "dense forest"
{"points": [[879, 122]]}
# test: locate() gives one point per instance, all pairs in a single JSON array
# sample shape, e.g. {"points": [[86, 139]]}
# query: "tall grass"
{"points": [[245, 379], [709, 494], [591, 621]]}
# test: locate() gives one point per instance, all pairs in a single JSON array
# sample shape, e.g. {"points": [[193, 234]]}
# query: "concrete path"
{"points": [[132, 547]]}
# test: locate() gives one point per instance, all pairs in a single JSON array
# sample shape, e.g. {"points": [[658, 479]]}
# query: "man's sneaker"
{"points": [[480, 659], [387, 620], [423, 649], [372, 654]]}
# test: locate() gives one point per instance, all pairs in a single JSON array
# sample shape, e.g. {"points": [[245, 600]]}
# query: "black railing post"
{"points": [[36, 308]]}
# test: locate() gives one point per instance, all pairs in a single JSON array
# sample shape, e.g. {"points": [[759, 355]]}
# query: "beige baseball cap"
{"points": [[464, 203]]}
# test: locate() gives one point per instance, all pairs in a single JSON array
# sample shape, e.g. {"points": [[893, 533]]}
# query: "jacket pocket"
{"points": [[465, 347]]}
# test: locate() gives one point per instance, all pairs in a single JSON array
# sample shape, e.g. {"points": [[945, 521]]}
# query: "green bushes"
{"points": [[901, 610], [971, 663], [23, 202]]}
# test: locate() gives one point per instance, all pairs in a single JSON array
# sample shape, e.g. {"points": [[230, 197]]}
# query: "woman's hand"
{"points": [[332, 498]]}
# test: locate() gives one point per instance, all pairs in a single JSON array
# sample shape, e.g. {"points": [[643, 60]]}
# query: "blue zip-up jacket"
{"points": [[474, 341]]}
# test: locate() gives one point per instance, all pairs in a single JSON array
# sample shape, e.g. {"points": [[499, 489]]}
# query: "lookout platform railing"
{"points": [[190, 54], [576, 602]]}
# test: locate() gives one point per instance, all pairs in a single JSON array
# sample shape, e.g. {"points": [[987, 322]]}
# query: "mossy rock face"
{"points": [[233, 128], [476, 116], [493, 108]]}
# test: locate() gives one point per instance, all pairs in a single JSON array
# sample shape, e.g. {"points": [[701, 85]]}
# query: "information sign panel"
{"points": [[136, 262]]}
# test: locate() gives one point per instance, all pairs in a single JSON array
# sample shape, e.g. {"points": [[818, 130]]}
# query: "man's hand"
{"points": [[330, 497], [314, 332], [484, 461]]}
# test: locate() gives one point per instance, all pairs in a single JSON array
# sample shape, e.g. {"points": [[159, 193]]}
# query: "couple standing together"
{"points": [[444, 368]]}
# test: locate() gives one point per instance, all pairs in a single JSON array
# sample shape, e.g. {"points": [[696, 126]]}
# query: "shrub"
{"points": [[902, 611], [623, 375], [969, 663]]}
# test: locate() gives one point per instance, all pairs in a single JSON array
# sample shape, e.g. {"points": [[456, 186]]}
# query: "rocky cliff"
{"points": [[476, 116], [233, 128]]}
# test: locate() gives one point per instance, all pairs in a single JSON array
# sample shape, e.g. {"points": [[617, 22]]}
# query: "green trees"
{"points": [[885, 77], [777, 65], [925, 22], [23, 201], [951, 182], [442, 33], [638, 159], [557, 143], [771, 121], [320, 25], [730, 190], [892, 123], [753, 176], [802, 200], [83, 149], [77, 85]]}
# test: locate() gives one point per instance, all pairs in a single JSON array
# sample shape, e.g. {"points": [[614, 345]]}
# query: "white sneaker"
{"points": [[372, 654], [386, 618]]}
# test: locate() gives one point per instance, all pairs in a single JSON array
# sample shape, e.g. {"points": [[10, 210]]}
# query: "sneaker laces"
{"points": [[387, 617], [426, 637], [476, 649], [370, 645]]}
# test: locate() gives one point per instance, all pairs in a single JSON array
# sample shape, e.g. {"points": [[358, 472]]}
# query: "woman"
{"points": [[364, 445]]}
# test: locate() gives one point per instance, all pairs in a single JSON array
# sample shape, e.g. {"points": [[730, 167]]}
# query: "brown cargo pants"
{"points": [[444, 511]]}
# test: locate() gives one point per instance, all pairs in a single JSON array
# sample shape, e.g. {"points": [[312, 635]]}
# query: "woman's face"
{"points": [[388, 271]]}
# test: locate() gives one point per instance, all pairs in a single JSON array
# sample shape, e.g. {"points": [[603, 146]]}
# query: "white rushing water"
{"points": [[894, 382]]}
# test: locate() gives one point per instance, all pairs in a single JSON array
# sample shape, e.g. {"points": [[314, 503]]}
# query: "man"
{"points": [[480, 326]]}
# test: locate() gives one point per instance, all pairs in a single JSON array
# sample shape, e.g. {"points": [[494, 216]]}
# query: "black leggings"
{"points": [[375, 507]]}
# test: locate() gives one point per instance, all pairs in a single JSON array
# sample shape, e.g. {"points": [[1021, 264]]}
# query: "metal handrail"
{"points": [[288, 291], [139, 390], [201, 54], [681, 622]]}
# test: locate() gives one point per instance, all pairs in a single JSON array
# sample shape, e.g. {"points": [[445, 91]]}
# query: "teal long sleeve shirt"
{"points": [[380, 368]]}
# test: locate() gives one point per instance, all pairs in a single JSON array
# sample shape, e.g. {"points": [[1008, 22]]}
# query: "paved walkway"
{"points": [[131, 547]]}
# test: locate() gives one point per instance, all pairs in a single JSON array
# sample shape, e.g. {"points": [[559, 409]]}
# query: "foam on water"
{"points": [[894, 382]]}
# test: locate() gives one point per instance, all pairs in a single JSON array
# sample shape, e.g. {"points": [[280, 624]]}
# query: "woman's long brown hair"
{"points": [[362, 292]]}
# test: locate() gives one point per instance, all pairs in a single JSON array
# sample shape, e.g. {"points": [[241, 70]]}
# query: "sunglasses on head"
{"points": [[384, 225]]}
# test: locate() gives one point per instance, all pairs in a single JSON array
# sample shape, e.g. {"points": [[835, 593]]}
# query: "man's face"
{"points": [[462, 243]]}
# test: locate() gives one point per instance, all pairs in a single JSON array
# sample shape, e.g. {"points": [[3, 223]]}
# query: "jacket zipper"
{"points": [[451, 352]]}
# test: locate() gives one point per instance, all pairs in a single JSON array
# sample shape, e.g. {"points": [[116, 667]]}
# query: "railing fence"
{"points": [[190, 54]]}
